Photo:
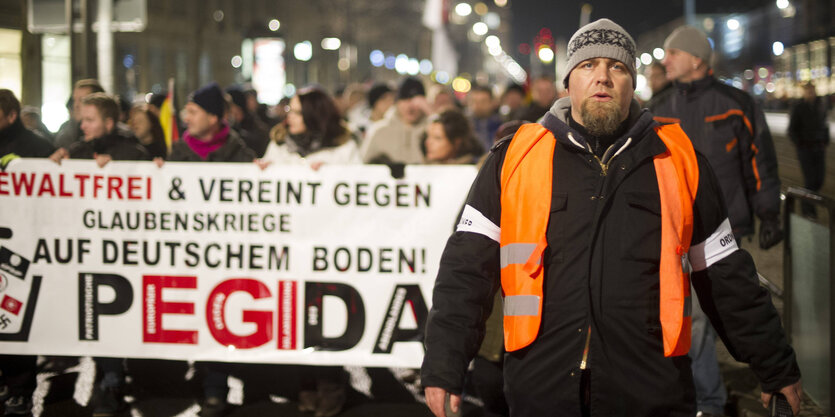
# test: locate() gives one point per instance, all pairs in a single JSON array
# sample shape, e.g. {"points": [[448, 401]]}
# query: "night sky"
{"points": [[636, 16]]}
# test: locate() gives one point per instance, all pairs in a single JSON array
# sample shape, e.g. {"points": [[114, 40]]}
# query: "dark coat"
{"points": [[234, 150], [19, 140], [725, 125], [119, 145], [808, 127], [601, 273]]}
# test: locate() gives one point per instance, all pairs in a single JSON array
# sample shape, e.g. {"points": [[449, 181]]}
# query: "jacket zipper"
{"points": [[584, 361]]}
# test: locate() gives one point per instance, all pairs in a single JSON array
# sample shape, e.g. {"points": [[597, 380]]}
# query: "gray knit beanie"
{"points": [[601, 39], [691, 40]]}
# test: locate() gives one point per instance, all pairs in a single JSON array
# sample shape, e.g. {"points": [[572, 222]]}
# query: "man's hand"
{"points": [[770, 233], [102, 159], [793, 393], [58, 155], [435, 398], [261, 163], [159, 161]]}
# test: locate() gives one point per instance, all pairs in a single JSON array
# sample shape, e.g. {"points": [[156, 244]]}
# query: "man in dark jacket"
{"points": [[726, 126], [599, 347], [102, 136], [809, 131], [208, 136], [14, 137], [17, 372]]}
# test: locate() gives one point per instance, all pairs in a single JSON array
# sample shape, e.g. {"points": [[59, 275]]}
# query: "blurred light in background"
{"points": [[646, 58], [274, 25], [463, 9], [303, 51], [777, 48], [480, 28], [658, 53], [377, 58], [546, 54], [237, 61], [461, 85], [331, 44], [426, 67], [401, 64]]}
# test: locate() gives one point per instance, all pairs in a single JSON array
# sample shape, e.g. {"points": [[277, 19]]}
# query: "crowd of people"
{"points": [[380, 123]]}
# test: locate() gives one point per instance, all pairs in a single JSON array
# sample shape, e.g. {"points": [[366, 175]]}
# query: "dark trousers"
{"points": [[19, 373], [813, 166], [489, 384]]}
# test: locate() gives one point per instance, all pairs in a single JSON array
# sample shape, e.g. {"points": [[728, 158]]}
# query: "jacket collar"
{"points": [[556, 120]]}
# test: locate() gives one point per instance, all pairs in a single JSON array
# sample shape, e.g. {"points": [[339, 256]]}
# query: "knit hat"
{"points": [[238, 97], [376, 92], [410, 87], [210, 98], [691, 40], [601, 39]]}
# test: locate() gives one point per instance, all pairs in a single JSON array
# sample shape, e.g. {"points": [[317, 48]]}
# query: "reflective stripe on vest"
{"points": [[526, 186]]}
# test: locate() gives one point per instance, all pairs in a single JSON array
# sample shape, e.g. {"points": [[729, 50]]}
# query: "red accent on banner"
{"points": [[216, 316], [153, 308], [287, 315], [11, 305]]}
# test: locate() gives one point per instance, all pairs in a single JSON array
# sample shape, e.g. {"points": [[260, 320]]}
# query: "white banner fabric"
{"points": [[222, 262]]}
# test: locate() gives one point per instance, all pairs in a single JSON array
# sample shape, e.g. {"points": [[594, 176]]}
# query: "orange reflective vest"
{"points": [[526, 185]]}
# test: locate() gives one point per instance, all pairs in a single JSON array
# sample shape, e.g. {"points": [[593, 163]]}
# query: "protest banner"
{"points": [[223, 262]]}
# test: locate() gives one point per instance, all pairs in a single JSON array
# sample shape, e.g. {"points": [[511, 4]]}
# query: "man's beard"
{"points": [[601, 118]]}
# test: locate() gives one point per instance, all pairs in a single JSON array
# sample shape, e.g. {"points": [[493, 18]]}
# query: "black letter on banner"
{"points": [[314, 292], [89, 307], [391, 331]]}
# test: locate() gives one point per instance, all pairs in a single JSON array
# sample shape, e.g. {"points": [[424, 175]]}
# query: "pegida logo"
{"points": [[17, 305]]}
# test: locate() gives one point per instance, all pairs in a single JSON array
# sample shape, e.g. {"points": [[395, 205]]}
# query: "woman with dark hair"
{"points": [[312, 134], [450, 139], [147, 128]]}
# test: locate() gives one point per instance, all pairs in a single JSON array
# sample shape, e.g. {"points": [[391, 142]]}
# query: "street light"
{"points": [[463, 9], [733, 24], [782, 4], [274, 25], [546, 54], [480, 28], [777, 48], [303, 51], [331, 44], [492, 41]]}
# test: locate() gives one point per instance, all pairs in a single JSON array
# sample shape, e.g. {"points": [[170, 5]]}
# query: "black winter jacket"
{"points": [[19, 140], [726, 125], [121, 146], [234, 150], [601, 273]]}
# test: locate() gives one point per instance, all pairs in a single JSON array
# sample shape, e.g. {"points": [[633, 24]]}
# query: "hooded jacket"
{"points": [[727, 127], [601, 273]]}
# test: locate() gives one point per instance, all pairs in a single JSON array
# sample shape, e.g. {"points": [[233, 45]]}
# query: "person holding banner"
{"points": [[103, 139], [208, 137], [17, 372], [147, 128], [593, 222], [314, 134]]}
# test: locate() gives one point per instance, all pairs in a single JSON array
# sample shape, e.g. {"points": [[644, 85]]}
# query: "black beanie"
{"points": [[238, 97], [377, 91], [210, 98], [410, 87]]}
